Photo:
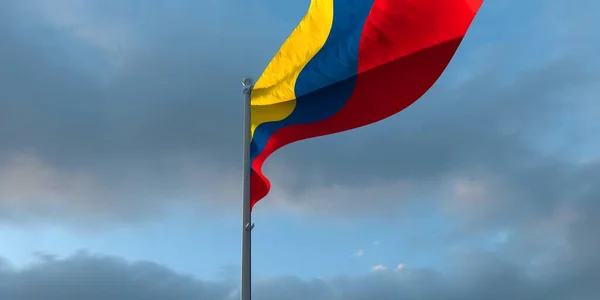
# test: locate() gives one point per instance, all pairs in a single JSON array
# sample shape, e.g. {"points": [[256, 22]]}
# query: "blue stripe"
{"points": [[327, 82]]}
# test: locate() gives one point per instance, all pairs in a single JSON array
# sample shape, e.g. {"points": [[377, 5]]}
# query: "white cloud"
{"points": [[359, 253], [378, 268], [400, 267]]}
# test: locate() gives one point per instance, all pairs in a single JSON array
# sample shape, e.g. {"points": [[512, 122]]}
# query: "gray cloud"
{"points": [[81, 141], [472, 276], [87, 277], [504, 139], [504, 149], [159, 125]]}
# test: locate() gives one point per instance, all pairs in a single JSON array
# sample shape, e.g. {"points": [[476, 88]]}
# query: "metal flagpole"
{"points": [[247, 224]]}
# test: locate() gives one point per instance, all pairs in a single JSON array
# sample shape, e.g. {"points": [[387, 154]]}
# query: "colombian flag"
{"points": [[350, 63]]}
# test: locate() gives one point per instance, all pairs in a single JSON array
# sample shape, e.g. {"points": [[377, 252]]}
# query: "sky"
{"points": [[120, 161]]}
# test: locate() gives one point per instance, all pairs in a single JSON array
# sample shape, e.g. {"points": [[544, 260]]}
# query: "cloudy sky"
{"points": [[120, 147]]}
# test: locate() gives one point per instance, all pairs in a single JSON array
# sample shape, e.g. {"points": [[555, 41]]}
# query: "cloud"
{"points": [[473, 276], [93, 139], [100, 134], [359, 253], [400, 267], [107, 116], [93, 277], [378, 268]]}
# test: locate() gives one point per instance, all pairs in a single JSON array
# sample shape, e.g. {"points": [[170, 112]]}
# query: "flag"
{"points": [[350, 63]]}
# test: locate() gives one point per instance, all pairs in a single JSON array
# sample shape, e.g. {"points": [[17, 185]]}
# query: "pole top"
{"points": [[247, 82]]}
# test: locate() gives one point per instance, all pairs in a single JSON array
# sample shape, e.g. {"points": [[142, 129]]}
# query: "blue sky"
{"points": [[120, 123], [284, 244]]}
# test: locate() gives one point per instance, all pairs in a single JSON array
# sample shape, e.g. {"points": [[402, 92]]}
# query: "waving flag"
{"points": [[350, 63]]}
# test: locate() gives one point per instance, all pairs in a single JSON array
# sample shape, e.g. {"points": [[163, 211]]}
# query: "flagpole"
{"points": [[247, 224]]}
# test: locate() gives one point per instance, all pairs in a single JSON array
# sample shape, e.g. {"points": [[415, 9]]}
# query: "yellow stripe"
{"points": [[273, 96]]}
